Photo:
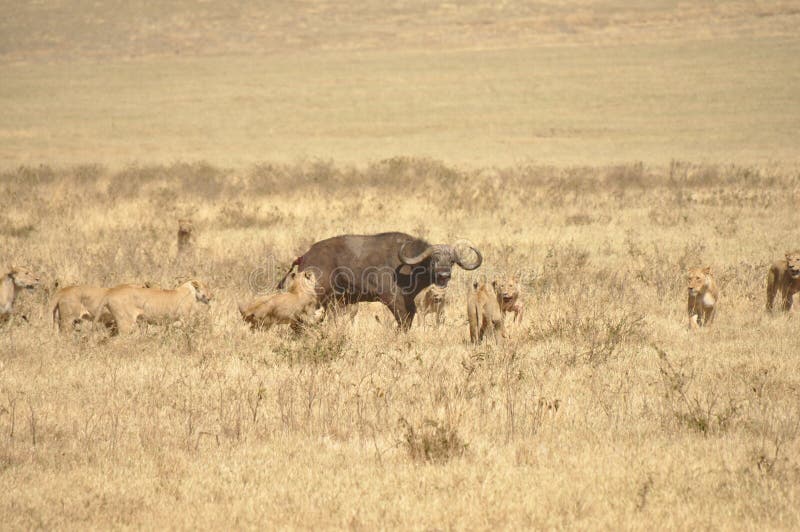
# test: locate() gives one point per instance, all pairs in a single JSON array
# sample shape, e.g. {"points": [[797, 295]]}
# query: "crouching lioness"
{"points": [[296, 307], [703, 297], [128, 304]]}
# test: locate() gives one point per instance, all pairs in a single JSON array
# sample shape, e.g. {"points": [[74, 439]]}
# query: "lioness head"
{"points": [[699, 278], [23, 278], [793, 263], [305, 282], [437, 293], [507, 290], [201, 293]]}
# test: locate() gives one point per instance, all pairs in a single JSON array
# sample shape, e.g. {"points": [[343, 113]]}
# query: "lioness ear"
{"points": [[196, 285], [707, 270], [309, 275], [494, 283]]}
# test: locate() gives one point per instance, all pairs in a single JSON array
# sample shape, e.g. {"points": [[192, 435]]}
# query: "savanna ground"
{"points": [[516, 127]]}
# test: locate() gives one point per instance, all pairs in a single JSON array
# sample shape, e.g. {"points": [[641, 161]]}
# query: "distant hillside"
{"points": [[115, 28]]}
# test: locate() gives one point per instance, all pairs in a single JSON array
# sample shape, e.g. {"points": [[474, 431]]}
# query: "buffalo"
{"points": [[388, 267]]}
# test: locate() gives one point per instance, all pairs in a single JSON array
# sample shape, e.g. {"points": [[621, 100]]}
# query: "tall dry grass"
{"points": [[602, 410]]}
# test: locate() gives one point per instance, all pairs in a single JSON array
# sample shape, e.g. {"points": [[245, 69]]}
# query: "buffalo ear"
{"points": [[406, 269]]}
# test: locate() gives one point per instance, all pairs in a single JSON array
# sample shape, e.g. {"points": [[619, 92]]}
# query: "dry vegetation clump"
{"points": [[601, 409], [432, 442]]}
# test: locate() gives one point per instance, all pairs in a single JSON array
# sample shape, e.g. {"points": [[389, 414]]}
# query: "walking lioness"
{"points": [[431, 299], [73, 304], [508, 297], [784, 275], [703, 297], [127, 304], [483, 312]]}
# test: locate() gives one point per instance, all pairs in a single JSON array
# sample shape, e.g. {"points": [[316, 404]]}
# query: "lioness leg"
{"points": [[474, 318], [695, 318], [710, 314], [788, 299], [498, 330], [772, 286]]}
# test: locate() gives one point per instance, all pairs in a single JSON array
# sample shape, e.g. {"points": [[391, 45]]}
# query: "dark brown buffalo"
{"points": [[389, 267]]}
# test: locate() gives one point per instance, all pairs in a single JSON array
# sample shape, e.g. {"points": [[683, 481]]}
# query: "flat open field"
{"points": [[520, 128], [592, 83]]}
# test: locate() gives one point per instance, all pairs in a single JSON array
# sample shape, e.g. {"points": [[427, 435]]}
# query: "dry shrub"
{"points": [[562, 263], [199, 179], [238, 215], [593, 336], [264, 179], [578, 219], [703, 410], [321, 344], [624, 177], [10, 228], [432, 441], [27, 176], [87, 173]]}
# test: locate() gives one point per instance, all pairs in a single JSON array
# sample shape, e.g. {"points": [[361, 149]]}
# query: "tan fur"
{"points": [[784, 275], [73, 304], [185, 235], [703, 297], [483, 313], [127, 304], [296, 307], [431, 299], [378, 310], [11, 284], [508, 297]]}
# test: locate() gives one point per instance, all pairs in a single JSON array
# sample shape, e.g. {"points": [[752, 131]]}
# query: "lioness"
{"points": [[72, 304], [127, 304], [483, 312], [784, 275], [296, 307], [11, 284], [703, 297], [508, 297], [431, 299]]}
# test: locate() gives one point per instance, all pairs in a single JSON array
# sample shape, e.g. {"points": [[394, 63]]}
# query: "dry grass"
{"points": [[517, 126], [601, 411], [702, 98]]}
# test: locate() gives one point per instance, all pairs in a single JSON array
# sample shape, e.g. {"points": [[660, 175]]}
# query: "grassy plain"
{"points": [[629, 94], [602, 410]]}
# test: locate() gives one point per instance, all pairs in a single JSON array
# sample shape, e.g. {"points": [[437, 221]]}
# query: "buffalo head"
{"points": [[442, 257]]}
